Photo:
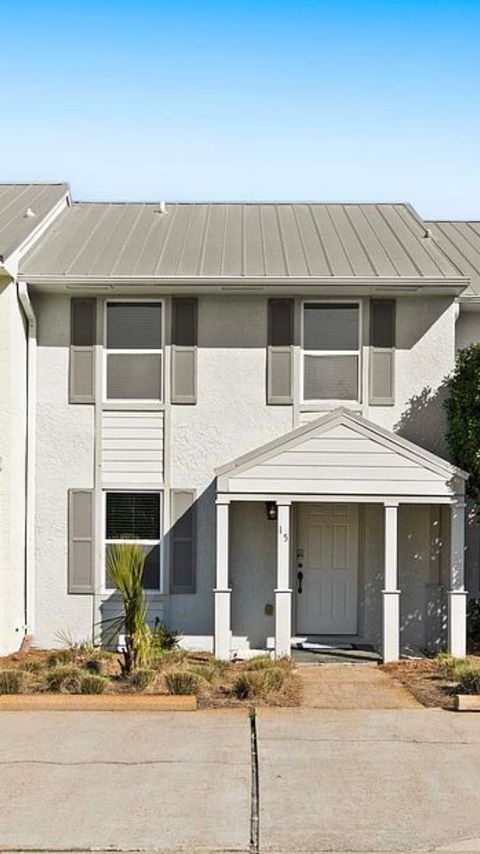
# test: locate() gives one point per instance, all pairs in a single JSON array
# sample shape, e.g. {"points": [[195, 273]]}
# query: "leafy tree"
{"points": [[463, 417]]}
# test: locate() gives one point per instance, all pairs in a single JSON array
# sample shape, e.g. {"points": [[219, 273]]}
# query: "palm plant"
{"points": [[125, 566]]}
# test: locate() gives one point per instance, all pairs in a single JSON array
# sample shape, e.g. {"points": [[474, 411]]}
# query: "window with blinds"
{"points": [[331, 351], [134, 351], [135, 517]]}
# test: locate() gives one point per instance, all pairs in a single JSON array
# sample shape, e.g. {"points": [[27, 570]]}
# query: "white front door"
{"points": [[327, 569]]}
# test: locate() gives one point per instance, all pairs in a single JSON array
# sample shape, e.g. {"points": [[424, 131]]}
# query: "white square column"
{"points": [[283, 591], [222, 591], [391, 593], [457, 596]]}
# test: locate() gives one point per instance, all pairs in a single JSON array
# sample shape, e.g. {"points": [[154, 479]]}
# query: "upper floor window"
{"points": [[134, 342], [331, 351]]}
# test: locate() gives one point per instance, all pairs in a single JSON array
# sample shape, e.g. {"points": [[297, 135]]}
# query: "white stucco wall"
{"points": [[65, 445], [13, 405], [230, 418], [424, 357], [252, 574], [467, 328]]}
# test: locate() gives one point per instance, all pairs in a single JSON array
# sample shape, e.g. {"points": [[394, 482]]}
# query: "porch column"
{"points": [[283, 591], [391, 594], [222, 591], [457, 596]]}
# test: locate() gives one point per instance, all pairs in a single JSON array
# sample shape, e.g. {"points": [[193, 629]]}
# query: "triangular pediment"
{"points": [[341, 453]]}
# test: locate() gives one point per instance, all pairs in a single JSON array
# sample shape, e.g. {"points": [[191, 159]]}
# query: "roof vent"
{"points": [[162, 208], [428, 233], [29, 214]]}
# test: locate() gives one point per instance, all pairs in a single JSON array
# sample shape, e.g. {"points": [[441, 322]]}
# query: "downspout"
{"points": [[29, 313]]}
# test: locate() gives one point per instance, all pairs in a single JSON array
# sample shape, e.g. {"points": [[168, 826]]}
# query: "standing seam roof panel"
{"points": [[358, 259], [239, 241], [312, 245], [378, 256], [15, 199]]}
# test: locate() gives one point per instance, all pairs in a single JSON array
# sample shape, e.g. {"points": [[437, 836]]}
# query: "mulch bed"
{"points": [[425, 681], [219, 693]]}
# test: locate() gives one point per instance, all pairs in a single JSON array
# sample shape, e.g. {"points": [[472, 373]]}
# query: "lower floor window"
{"points": [[134, 517]]}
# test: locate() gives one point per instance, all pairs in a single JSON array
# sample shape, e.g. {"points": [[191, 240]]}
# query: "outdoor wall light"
{"points": [[271, 511]]}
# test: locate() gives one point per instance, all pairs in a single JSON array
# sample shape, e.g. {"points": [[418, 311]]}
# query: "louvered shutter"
{"points": [[382, 352], [184, 349], [280, 351], [82, 350], [183, 541], [81, 540]]}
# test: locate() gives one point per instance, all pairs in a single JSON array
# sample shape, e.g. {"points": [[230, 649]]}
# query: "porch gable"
{"points": [[341, 454]]}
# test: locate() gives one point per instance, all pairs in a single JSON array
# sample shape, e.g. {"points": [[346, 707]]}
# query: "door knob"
{"points": [[300, 579]]}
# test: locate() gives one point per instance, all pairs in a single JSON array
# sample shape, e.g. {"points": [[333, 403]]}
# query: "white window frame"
{"points": [[125, 350], [358, 353], [107, 542]]}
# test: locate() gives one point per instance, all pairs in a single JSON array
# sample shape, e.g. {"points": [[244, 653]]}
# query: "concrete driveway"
{"points": [[346, 780]]}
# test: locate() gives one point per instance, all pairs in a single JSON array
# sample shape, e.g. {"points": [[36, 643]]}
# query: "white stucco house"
{"points": [[254, 393]]}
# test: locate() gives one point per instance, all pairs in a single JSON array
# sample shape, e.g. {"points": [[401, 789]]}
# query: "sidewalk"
{"points": [[353, 687]]}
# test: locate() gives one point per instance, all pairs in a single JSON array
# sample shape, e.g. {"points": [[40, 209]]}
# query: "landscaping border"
{"points": [[97, 703], [467, 702]]}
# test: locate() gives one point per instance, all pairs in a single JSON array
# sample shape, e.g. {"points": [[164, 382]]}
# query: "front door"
{"points": [[327, 569]]}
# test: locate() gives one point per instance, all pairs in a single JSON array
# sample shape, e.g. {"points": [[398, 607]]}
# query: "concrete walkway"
{"points": [[353, 687], [391, 780]]}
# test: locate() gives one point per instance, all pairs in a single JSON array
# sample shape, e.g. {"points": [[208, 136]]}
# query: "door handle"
{"points": [[300, 579]]}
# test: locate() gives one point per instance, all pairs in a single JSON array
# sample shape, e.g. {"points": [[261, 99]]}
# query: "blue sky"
{"points": [[246, 100]]}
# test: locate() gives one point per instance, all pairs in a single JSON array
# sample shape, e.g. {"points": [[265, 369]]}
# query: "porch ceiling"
{"points": [[342, 454]]}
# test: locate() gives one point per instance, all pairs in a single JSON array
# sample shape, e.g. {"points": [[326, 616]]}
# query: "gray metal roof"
{"points": [[460, 240], [16, 225], [240, 241]]}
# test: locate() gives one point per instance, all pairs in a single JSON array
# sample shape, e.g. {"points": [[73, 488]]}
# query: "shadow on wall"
{"points": [[424, 420]]}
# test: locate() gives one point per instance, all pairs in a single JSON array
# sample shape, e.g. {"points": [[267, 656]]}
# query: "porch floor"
{"points": [[323, 654]]}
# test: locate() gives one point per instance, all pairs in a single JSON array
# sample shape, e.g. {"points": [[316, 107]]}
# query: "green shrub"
{"points": [[448, 665], [206, 671], [33, 666], [182, 682], [473, 623], [98, 661], [93, 684], [253, 684], [61, 657], [260, 662], [247, 685], [164, 638], [64, 678], [12, 681], [468, 676], [142, 678]]}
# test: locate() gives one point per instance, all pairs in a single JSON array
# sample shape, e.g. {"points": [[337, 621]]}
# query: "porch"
{"points": [[351, 516]]}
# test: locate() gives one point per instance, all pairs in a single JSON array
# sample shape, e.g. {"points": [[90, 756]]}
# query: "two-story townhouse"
{"points": [[253, 392]]}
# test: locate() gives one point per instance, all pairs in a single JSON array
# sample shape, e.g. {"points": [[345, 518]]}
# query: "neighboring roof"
{"points": [[22, 208], [460, 240], [265, 468], [251, 241]]}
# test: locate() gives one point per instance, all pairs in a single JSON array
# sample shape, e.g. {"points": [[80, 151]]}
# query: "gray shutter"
{"points": [[382, 352], [184, 349], [81, 540], [82, 350], [280, 351], [183, 541]]}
